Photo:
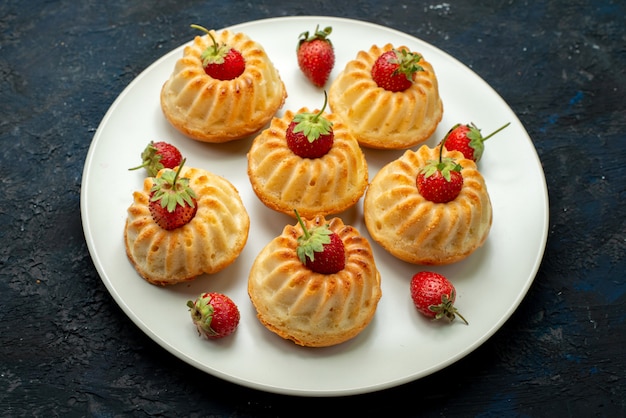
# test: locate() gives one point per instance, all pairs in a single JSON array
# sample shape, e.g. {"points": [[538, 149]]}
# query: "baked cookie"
{"points": [[314, 309], [284, 181], [384, 119], [211, 241], [417, 230], [212, 110]]}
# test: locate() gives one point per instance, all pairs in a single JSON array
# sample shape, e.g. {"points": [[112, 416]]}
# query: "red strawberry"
{"points": [[440, 181], [172, 202], [321, 249], [434, 295], [221, 61], [394, 69], [215, 315], [468, 140], [159, 155], [316, 55], [310, 135]]}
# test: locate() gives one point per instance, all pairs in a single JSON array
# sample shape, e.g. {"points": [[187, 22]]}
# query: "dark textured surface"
{"points": [[67, 349]]}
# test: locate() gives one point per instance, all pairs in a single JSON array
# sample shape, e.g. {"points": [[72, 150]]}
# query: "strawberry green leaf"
{"points": [[318, 34], [313, 125], [151, 160], [215, 53], [311, 241], [202, 313], [446, 308], [407, 63], [171, 190], [445, 166]]}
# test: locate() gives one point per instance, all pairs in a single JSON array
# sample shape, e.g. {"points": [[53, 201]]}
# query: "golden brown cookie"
{"points": [[211, 241], [211, 110], [417, 230], [383, 119], [313, 309], [283, 181]]}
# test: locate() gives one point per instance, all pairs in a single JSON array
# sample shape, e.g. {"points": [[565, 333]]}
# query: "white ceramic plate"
{"points": [[399, 345]]}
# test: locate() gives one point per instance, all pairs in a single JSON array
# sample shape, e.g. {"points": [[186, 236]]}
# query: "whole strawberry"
{"points": [[310, 135], [159, 155], [434, 295], [394, 69], [221, 61], [316, 55], [215, 315], [172, 202], [321, 249], [467, 139], [440, 181]]}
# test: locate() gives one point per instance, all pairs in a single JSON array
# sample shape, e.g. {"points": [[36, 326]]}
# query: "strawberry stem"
{"points": [[202, 28], [313, 125], [180, 167], [317, 116], [461, 316], [139, 166], [307, 235], [452, 309], [496, 131], [441, 149], [213, 54], [208, 32]]}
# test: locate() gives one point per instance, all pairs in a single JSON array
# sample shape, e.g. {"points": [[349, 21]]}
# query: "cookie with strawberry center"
{"points": [[170, 240], [310, 306], [321, 174], [223, 88], [419, 216], [388, 96]]}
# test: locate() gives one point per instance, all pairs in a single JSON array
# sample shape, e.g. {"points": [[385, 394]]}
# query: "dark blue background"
{"points": [[68, 349]]}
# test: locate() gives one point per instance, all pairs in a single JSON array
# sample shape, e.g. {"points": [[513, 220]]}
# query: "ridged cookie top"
{"points": [[283, 181], [211, 241], [211, 110], [417, 230], [382, 119], [309, 308]]}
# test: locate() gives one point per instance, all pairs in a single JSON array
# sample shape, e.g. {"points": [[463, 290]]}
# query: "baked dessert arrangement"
{"points": [[388, 97], [216, 108], [329, 177], [316, 284], [203, 235], [406, 221], [310, 308]]}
